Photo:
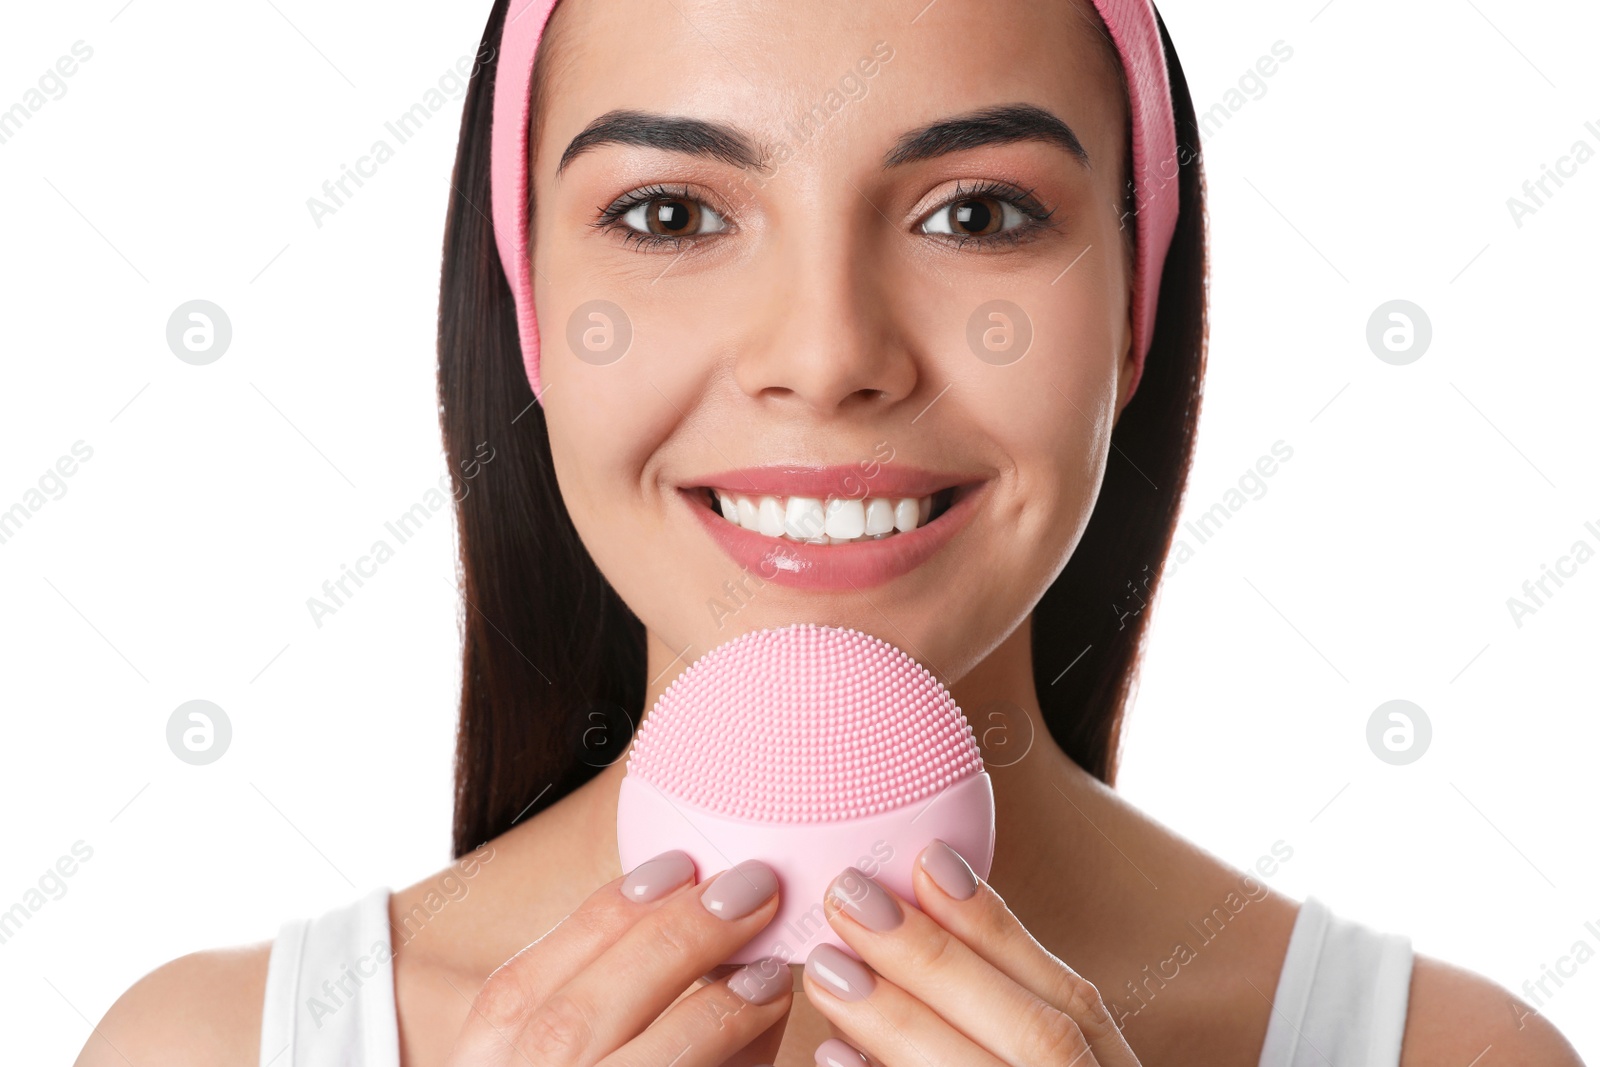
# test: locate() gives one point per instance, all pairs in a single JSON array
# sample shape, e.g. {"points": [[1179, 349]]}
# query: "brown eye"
{"points": [[979, 216], [672, 216], [974, 216]]}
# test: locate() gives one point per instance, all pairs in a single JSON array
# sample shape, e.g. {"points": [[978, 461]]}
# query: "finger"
{"points": [[964, 905], [527, 978], [886, 1022], [716, 1021], [634, 980], [907, 947]]}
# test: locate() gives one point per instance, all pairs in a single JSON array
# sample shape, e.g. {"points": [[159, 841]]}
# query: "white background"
{"points": [[1376, 166]]}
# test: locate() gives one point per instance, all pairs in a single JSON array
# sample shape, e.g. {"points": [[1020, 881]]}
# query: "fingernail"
{"points": [[835, 1053], [738, 891], [948, 870], [845, 978], [655, 876], [762, 981], [865, 900]]}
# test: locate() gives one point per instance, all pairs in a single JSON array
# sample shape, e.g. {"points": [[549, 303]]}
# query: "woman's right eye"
{"points": [[657, 218]]}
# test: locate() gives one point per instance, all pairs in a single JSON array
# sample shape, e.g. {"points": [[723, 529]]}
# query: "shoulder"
{"points": [[1456, 1016], [199, 1009]]}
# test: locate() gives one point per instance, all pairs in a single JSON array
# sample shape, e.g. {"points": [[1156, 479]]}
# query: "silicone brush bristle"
{"points": [[804, 723]]}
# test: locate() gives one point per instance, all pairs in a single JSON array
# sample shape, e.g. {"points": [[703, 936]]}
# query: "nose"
{"points": [[828, 339]]}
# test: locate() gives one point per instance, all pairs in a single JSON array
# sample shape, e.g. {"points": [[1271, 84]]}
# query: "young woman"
{"points": [[922, 258]]}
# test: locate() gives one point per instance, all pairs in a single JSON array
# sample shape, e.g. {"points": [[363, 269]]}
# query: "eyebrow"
{"points": [[1002, 124], [997, 125]]}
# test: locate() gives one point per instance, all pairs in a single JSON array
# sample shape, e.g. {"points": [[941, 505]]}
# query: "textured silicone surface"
{"points": [[805, 723], [811, 748]]}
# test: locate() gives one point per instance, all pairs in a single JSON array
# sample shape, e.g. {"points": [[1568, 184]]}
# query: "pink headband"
{"points": [[1155, 159]]}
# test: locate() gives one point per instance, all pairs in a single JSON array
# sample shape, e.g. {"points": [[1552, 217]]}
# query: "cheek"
{"points": [[631, 350], [1047, 411]]}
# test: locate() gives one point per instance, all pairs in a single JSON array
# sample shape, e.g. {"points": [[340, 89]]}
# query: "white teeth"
{"points": [[747, 513], [771, 517], [880, 516], [847, 519], [833, 521], [803, 520]]}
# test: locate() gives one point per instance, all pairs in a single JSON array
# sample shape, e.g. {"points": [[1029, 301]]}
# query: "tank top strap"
{"points": [[330, 990], [1342, 995]]}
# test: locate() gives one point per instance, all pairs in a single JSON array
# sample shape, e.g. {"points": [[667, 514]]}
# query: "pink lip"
{"points": [[859, 565], [888, 480]]}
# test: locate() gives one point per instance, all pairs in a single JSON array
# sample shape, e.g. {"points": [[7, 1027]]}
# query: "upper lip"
{"points": [[852, 481]]}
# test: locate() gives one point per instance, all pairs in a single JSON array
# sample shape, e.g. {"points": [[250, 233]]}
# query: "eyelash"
{"points": [[1037, 216]]}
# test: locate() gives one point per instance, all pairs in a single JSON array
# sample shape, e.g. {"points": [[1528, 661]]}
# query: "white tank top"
{"points": [[1341, 998]]}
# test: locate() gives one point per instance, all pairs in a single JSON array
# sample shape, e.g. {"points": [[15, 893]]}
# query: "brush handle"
{"points": [[807, 856]]}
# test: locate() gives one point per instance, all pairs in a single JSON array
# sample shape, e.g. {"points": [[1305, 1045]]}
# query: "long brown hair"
{"points": [[553, 662]]}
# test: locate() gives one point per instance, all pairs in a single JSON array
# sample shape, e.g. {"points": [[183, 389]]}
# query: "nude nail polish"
{"points": [[949, 870], [656, 876], [738, 891], [844, 977], [866, 901], [835, 1053]]}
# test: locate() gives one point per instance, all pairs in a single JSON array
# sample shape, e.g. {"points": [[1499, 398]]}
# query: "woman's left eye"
{"points": [[978, 216], [988, 213]]}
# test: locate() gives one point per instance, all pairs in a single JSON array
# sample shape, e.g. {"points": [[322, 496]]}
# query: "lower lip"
{"points": [[859, 565]]}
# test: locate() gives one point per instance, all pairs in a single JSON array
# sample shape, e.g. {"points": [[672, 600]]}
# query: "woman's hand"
{"points": [[590, 991], [960, 983]]}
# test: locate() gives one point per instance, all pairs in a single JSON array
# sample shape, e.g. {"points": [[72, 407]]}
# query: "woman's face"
{"points": [[876, 256]]}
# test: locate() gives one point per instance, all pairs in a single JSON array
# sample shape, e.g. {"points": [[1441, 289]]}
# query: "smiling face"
{"points": [[877, 258]]}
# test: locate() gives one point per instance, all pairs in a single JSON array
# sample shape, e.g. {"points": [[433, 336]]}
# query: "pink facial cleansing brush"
{"points": [[810, 748]]}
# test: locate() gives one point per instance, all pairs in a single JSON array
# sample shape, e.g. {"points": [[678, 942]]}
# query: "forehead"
{"points": [[867, 70]]}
